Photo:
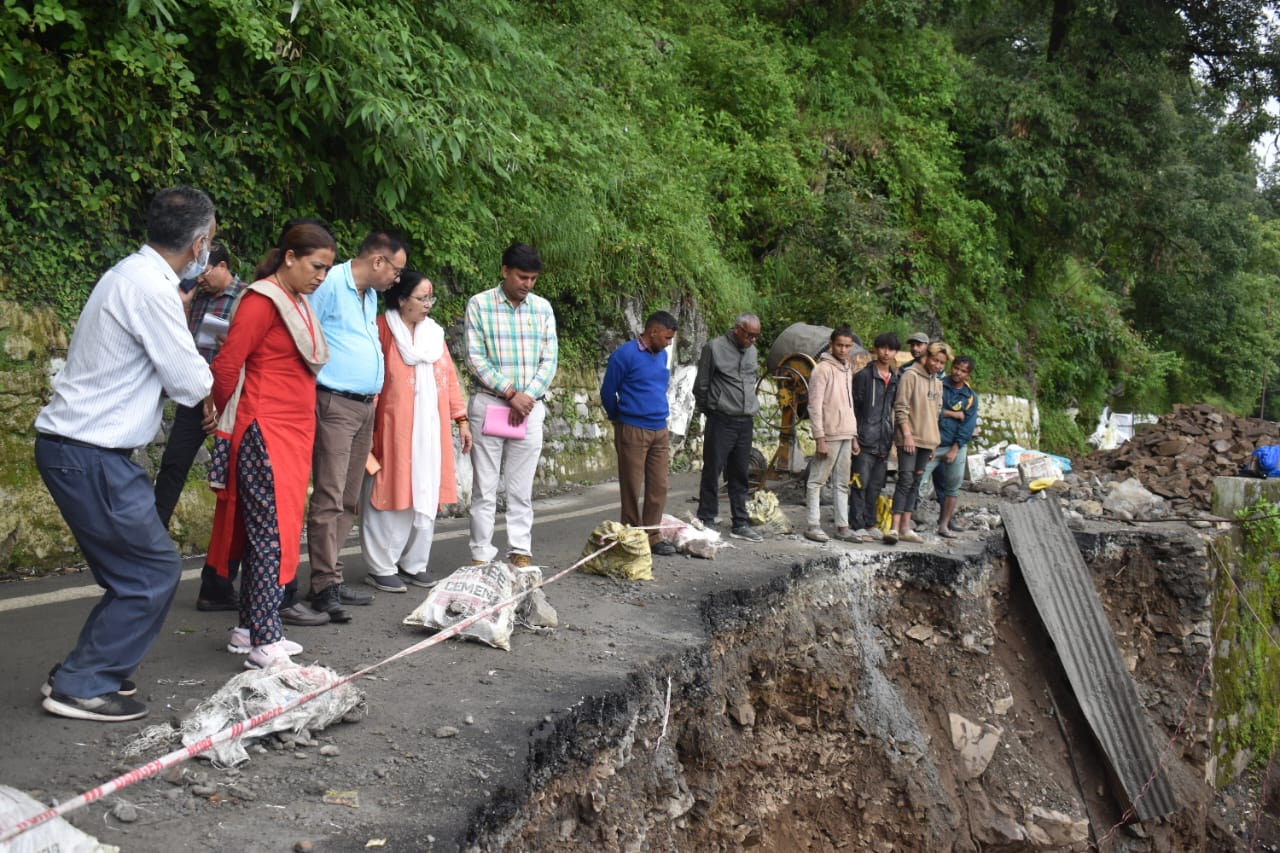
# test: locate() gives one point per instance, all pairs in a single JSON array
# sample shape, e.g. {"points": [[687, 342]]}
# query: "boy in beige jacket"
{"points": [[915, 416], [835, 429]]}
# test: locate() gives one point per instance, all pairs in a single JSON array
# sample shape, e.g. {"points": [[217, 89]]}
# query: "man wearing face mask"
{"points": [[131, 349], [216, 289]]}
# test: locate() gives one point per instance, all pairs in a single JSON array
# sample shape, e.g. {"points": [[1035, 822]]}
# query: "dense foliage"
{"points": [[1067, 191]]}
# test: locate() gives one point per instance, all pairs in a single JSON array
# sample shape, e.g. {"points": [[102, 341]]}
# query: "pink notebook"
{"points": [[498, 424]]}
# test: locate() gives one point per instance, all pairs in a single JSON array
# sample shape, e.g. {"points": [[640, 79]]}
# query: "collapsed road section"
{"points": [[886, 701]]}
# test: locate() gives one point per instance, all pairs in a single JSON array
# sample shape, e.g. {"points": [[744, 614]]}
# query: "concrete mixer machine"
{"points": [[789, 366]]}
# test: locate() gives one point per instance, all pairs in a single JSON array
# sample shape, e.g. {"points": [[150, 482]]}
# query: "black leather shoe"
{"points": [[300, 614], [329, 600], [347, 595], [663, 549], [211, 604]]}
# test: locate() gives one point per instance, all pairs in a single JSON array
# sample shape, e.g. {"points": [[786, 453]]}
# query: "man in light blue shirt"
{"points": [[347, 307]]}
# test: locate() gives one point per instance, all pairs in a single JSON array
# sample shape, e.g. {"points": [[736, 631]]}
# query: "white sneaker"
{"points": [[264, 656], [241, 645]]}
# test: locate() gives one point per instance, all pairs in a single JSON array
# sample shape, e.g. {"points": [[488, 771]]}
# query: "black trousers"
{"points": [[726, 449], [185, 440], [906, 493], [872, 472]]}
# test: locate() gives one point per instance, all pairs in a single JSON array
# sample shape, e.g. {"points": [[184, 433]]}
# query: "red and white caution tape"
{"points": [[150, 769]]}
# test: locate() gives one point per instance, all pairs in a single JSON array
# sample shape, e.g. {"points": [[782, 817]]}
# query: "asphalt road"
{"points": [[424, 787]]}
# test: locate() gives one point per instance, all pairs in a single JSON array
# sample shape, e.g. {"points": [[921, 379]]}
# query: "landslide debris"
{"points": [[1178, 457]]}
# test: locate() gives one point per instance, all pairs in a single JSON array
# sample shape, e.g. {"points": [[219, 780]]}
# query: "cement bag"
{"points": [[694, 540], [255, 692], [765, 514], [1014, 454], [470, 590], [628, 560], [56, 834]]}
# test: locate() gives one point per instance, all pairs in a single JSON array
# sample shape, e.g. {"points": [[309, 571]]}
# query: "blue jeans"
{"points": [[947, 477], [110, 506]]}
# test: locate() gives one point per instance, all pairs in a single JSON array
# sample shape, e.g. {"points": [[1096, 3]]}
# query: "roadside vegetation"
{"points": [[1067, 191]]}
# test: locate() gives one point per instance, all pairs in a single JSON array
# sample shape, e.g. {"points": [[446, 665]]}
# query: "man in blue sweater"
{"points": [[956, 422], [634, 394]]}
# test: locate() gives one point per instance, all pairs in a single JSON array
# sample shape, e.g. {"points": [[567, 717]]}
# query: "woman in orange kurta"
{"points": [[264, 385], [411, 464]]}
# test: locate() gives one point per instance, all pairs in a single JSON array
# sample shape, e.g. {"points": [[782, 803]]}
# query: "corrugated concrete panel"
{"points": [[1062, 587]]}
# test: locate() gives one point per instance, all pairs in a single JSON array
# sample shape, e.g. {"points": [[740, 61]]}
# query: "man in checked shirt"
{"points": [[512, 350]]}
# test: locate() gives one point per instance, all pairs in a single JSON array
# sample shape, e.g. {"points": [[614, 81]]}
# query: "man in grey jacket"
{"points": [[725, 391]]}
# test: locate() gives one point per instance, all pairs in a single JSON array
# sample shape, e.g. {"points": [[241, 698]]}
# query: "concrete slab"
{"points": [[1232, 494]]}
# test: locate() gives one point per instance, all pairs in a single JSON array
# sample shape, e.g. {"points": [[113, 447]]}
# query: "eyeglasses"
{"points": [[427, 301], [751, 336], [393, 266]]}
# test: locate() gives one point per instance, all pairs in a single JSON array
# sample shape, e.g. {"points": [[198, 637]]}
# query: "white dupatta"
{"points": [[421, 348]]}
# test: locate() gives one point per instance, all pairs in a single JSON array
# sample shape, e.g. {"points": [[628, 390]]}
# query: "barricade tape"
{"points": [[176, 757], [151, 768]]}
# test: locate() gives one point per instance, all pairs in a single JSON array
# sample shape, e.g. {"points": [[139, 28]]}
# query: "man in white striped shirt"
{"points": [[131, 349]]}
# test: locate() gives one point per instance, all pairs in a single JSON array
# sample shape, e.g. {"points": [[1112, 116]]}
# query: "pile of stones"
{"points": [[1178, 457], [1165, 471]]}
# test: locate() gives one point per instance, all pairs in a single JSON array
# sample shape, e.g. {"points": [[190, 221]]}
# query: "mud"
{"points": [[817, 718]]}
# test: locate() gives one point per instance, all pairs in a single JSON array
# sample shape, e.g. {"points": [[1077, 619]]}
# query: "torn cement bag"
{"points": [[56, 834], [252, 693], [687, 538], [470, 590], [629, 559], [765, 514]]}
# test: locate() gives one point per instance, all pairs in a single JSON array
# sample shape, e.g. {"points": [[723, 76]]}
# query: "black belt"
{"points": [[359, 398], [74, 442]]}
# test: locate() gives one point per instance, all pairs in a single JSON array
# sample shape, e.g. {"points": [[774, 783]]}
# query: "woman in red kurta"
{"points": [[264, 385], [411, 462]]}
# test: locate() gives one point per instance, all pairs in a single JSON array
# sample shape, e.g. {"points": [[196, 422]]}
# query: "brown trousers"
{"points": [[644, 457], [344, 435]]}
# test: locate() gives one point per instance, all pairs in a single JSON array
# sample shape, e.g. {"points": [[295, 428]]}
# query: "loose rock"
{"points": [[125, 812]]}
